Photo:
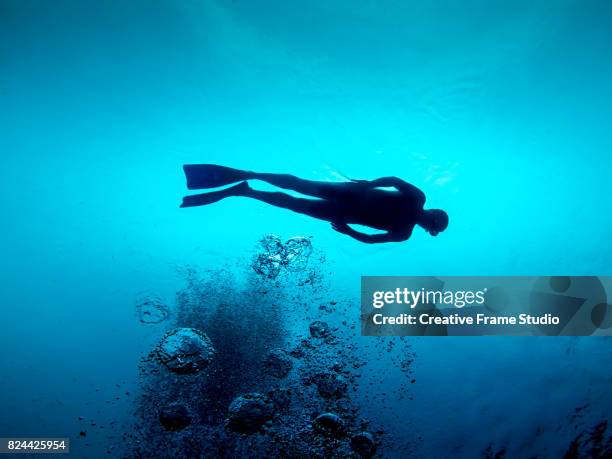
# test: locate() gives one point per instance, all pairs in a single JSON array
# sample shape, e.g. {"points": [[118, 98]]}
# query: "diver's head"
{"points": [[434, 221]]}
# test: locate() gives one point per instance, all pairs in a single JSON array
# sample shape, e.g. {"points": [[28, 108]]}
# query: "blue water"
{"points": [[499, 111]]}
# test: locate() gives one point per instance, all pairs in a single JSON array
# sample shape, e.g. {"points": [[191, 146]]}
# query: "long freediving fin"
{"points": [[201, 176], [201, 199]]}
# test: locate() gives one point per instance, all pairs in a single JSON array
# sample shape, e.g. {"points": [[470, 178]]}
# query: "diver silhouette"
{"points": [[341, 203]]}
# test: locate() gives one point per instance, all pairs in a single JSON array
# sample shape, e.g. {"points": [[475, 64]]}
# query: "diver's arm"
{"points": [[394, 182], [366, 238], [372, 238]]}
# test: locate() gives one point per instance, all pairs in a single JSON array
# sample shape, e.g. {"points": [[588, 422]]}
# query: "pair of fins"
{"points": [[202, 176]]}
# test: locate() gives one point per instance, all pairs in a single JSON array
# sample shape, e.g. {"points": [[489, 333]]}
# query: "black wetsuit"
{"points": [[394, 211], [342, 203]]}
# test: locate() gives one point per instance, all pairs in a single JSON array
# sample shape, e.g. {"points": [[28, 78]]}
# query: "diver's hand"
{"points": [[341, 227]]}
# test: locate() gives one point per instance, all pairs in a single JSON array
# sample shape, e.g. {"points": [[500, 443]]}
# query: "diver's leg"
{"points": [[321, 209], [323, 190], [317, 208], [211, 176]]}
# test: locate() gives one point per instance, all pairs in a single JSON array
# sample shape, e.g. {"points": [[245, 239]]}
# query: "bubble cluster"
{"points": [[185, 350], [151, 309], [293, 255], [253, 368]]}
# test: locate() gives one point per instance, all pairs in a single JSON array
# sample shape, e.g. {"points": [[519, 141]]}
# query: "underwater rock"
{"points": [[151, 309], [330, 385], [363, 444], [329, 425], [277, 364], [174, 417], [319, 329], [249, 412], [185, 350]]}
